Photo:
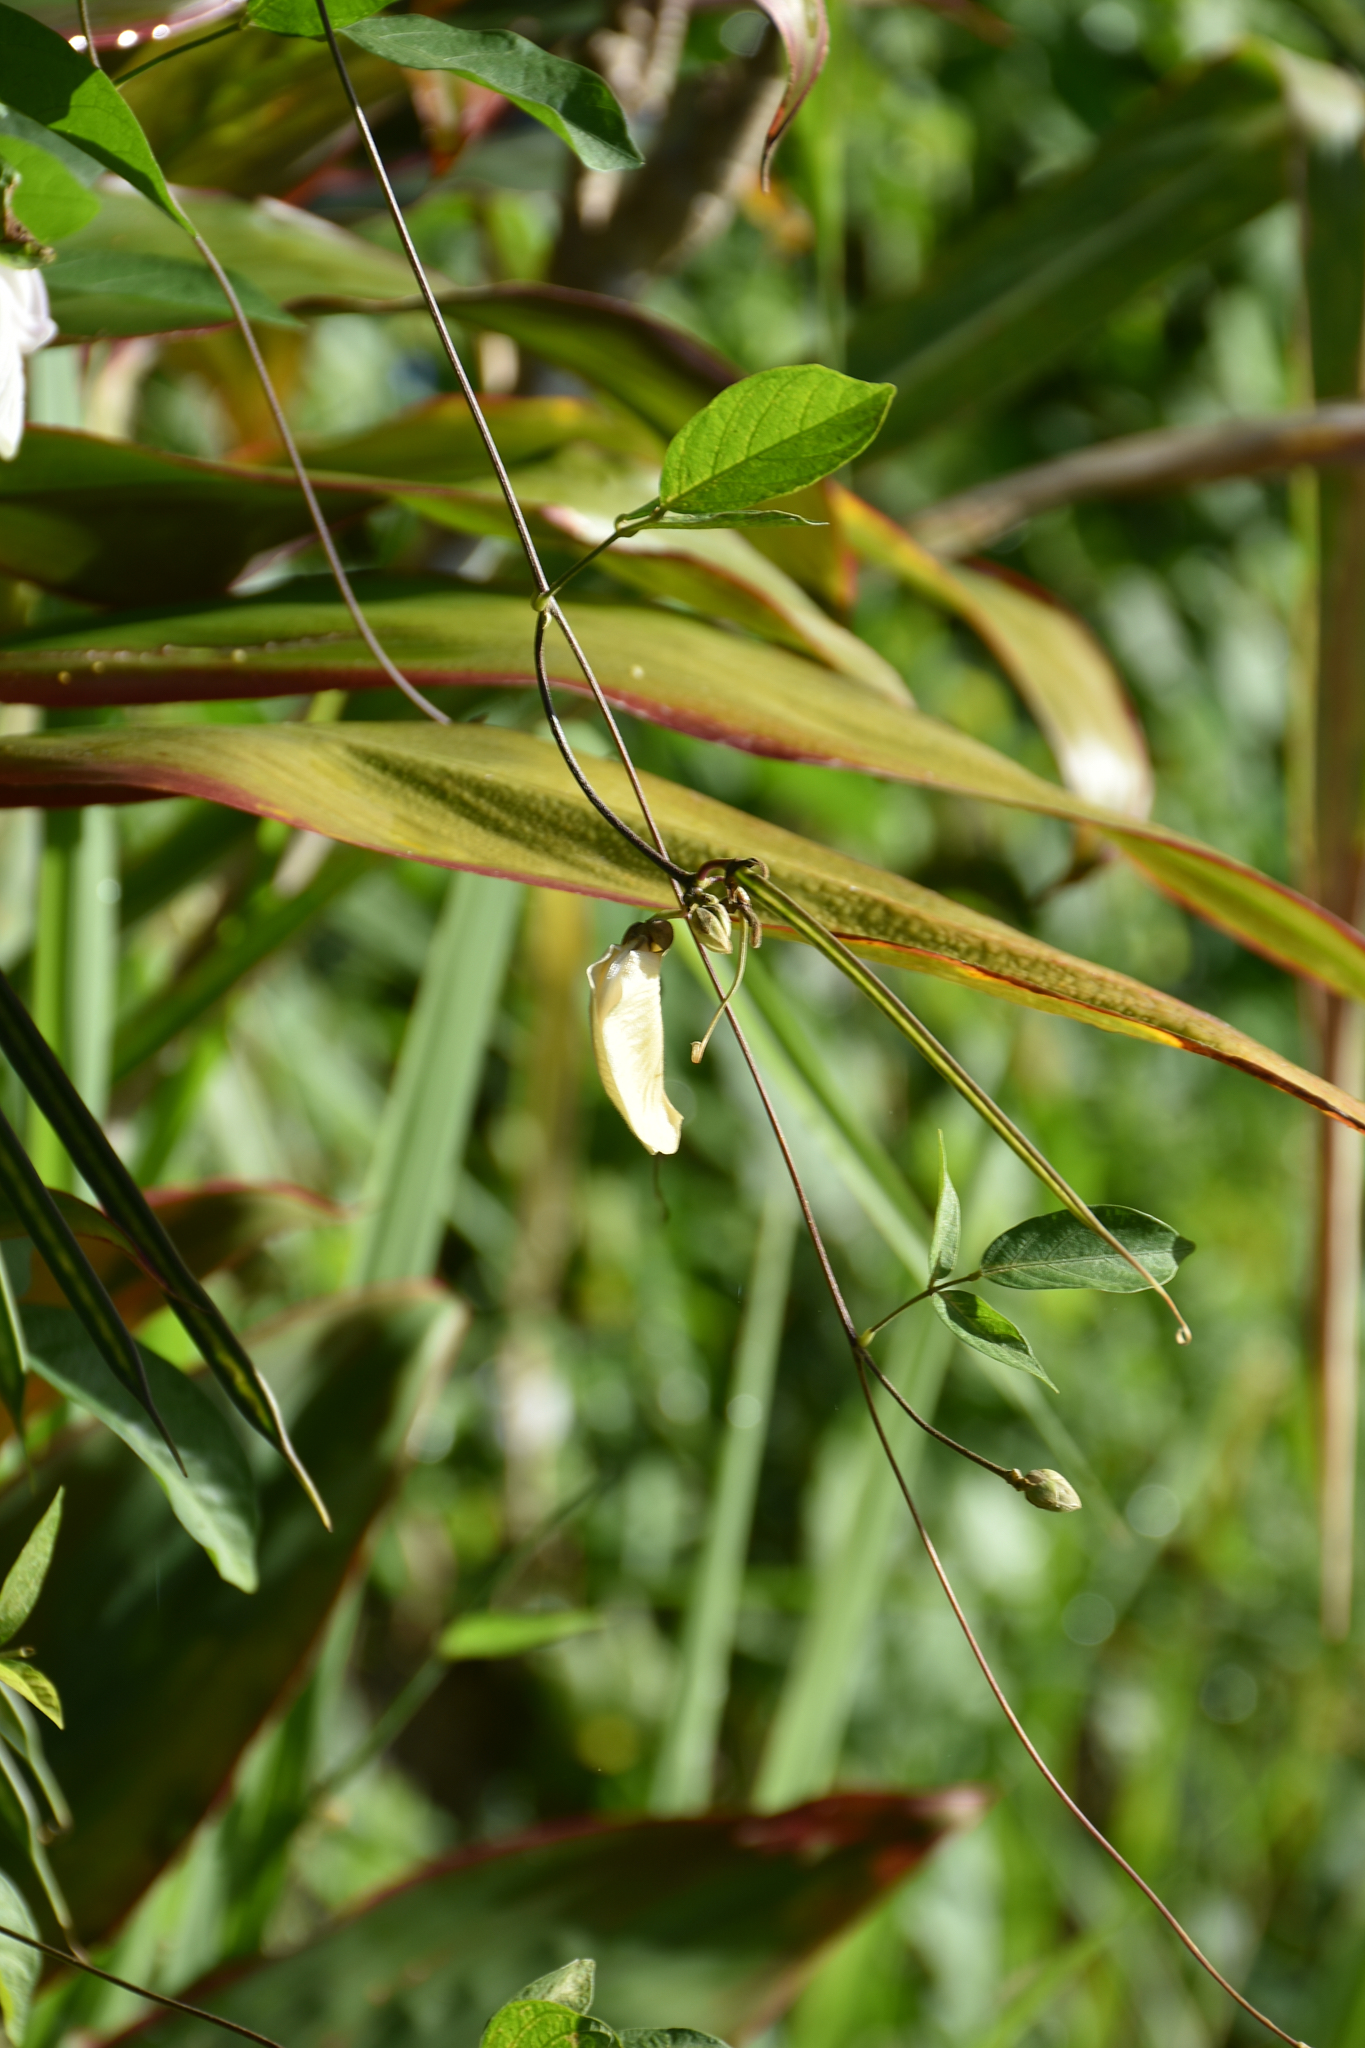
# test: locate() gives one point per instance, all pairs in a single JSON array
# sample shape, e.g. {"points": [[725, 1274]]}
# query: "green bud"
{"points": [[1046, 1489], [711, 923]]}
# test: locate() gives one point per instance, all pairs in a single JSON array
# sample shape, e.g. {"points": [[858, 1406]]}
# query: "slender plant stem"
{"points": [[320, 526], [1101, 1840], [197, 2012], [987, 1464], [925, 1294], [574, 567], [943, 1062], [83, 9]]}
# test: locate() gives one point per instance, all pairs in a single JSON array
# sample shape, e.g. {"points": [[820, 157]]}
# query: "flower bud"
{"points": [[711, 923], [628, 1032], [1046, 1489]]}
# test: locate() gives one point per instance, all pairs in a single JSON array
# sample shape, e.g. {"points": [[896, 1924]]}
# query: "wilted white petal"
{"points": [[25, 326], [628, 1039]]}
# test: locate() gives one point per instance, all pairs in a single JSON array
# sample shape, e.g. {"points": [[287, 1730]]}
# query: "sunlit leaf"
{"points": [[301, 17], [574, 103], [982, 1328], [541, 2023], [714, 1920], [47, 198], [502, 803], [506, 1634], [774, 432], [50, 83], [947, 1221], [30, 1684], [673, 670], [1058, 1251], [572, 1984], [24, 1579], [214, 1499]]}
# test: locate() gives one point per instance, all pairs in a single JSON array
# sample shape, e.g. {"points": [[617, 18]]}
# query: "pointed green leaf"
{"points": [[502, 803], [1058, 1251], [24, 1580], [20, 1967], [947, 1222], [119, 1195], [572, 102], [542, 2023], [571, 1985], [975, 1323], [214, 1499], [773, 433], [54, 85], [31, 1685], [499, 1634]]}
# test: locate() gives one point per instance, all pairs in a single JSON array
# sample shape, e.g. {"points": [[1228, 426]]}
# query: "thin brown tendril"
{"points": [[197, 2012]]}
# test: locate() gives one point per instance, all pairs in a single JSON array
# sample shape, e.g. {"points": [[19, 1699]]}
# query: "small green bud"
{"points": [[1046, 1489], [711, 923]]}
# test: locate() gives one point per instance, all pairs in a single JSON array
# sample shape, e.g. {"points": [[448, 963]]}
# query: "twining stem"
{"points": [[869, 1364], [197, 2012], [700, 1044], [925, 1294], [943, 1062], [543, 597], [1101, 1840], [83, 9]]}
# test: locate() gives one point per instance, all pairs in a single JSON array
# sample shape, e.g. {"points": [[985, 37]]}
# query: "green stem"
{"points": [[943, 1062], [934, 1287], [547, 596]]}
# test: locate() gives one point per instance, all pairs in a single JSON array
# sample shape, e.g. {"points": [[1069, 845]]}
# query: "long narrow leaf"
{"points": [[502, 803], [51, 1235], [114, 1187]]}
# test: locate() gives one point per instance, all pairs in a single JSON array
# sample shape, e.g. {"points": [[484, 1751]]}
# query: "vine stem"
{"points": [[87, 30], [197, 2012], [1077, 1813], [680, 878]]}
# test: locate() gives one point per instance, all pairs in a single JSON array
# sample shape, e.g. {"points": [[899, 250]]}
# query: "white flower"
{"points": [[25, 326], [628, 1033]]}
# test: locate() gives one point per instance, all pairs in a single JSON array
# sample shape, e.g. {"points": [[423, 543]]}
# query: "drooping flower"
{"points": [[26, 325], [628, 1032]]}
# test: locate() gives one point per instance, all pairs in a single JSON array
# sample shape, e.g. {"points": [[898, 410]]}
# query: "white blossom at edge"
{"points": [[628, 1040], [25, 326]]}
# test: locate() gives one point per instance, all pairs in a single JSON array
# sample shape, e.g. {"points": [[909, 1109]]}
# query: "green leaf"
{"points": [[214, 1499], [301, 17], [773, 433], [1202, 154], [975, 1323], [572, 1985], [673, 670], [52, 84], [160, 1662], [20, 1967], [540, 2023], [502, 803], [947, 1222], [31, 1685], [1058, 1251], [99, 294], [108, 1178], [700, 522], [668, 2037], [500, 1634], [24, 1580], [45, 197], [13, 1363], [714, 1918], [572, 102]]}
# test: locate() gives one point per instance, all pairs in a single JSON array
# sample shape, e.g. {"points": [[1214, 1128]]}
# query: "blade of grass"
{"points": [[427, 1115], [118, 1194], [682, 1774], [12, 1362]]}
